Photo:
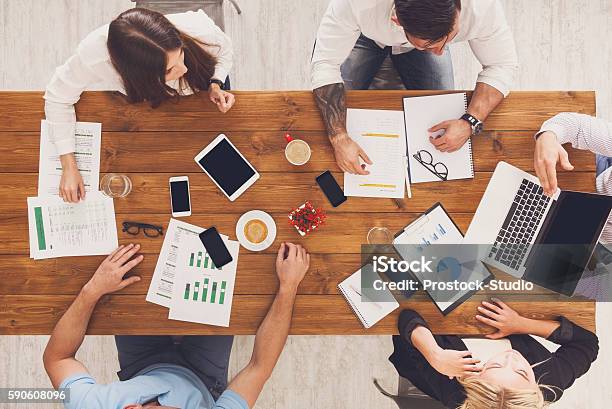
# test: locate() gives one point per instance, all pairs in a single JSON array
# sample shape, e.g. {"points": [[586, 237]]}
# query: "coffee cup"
{"points": [[297, 151]]}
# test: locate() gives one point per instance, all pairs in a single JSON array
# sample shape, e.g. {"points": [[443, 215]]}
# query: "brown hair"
{"points": [[427, 19], [138, 40]]}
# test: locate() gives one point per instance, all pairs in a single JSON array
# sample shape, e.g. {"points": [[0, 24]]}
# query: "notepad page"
{"points": [[422, 113]]}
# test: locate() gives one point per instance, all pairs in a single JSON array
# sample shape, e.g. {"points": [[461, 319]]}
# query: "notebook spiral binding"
{"points": [[465, 101]]}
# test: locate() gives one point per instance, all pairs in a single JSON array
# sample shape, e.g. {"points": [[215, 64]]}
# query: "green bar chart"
{"points": [[207, 290], [200, 259]]}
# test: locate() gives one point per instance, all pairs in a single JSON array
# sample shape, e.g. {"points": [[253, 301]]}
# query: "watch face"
{"points": [[478, 128]]}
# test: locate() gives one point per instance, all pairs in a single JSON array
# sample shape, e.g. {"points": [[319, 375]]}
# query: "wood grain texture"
{"points": [[152, 145], [313, 314], [264, 110]]}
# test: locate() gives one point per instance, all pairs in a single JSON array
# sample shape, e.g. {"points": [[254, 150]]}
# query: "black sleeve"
{"points": [[409, 320], [579, 348]]}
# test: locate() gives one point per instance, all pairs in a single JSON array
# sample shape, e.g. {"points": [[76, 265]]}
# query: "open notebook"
{"points": [[425, 162], [369, 312]]}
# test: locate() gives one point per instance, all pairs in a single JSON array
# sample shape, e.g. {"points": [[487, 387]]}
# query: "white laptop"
{"points": [[514, 214]]}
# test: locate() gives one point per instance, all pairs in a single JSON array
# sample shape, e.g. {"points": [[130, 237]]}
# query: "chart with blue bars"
{"points": [[434, 236], [200, 259], [207, 290]]}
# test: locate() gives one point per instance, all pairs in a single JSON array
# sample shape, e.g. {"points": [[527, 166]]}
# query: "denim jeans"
{"points": [[417, 69], [206, 355]]}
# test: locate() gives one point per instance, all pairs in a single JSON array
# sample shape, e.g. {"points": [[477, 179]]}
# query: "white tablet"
{"points": [[230, 171]]}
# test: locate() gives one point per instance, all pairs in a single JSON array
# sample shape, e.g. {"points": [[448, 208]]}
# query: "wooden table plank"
{"points": [[276, 193], [147, 152], [313, 315], [270, 110]]}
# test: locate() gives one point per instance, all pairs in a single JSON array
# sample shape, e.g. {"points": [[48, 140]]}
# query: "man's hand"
{"points": [[454, 364], [222, 99], [292, 262], [549, 152], [71, 188], [456, 134], [109, 277], [501, 317], [347, 153]]}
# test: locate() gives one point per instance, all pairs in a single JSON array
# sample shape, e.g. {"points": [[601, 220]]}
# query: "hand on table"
{"points": [[109, 277], [347, 153], [501, 317], [549, 152], [71, 188], [454, 363], [222, 99], [292, 262], [456, 134]]}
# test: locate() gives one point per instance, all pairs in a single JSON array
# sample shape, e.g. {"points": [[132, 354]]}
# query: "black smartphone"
{"points": [[331, 188], [215, 247]]}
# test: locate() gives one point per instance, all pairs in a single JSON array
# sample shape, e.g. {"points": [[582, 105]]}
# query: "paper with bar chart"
{"points": [[59, 229], [381, 134], [203, 292]]}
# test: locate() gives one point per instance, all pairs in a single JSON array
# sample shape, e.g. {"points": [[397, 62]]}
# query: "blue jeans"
{"points": [[205, 355], [417, 69]]}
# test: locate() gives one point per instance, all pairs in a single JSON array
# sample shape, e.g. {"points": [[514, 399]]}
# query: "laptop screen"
{"points": [[567, 239]]}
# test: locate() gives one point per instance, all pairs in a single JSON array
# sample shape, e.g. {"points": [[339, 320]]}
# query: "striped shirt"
{"points": [[587, 133]]}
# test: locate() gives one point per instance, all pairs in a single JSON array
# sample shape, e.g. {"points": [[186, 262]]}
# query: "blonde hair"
{"points": [[481, 394]]}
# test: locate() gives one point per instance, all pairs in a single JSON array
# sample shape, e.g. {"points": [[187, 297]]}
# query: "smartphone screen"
{"points": [[330, 187], [215, 247], [179, 191]]}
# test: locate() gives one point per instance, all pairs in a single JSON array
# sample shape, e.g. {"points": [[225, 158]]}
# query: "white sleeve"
{"points": [[336, 37], [197, 24], [495, 49], [582, 131], [66, 86]]}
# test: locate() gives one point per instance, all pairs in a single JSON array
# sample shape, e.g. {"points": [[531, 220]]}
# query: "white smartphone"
{"points": [[227, 167], [180, 198]]}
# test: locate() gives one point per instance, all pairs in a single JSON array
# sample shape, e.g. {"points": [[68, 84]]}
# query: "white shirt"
{"points": [[91, 64], [481, 22]]}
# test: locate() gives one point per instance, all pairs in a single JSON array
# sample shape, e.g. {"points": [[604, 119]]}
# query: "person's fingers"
{"points": [[471, 368], [72, 195], [298, 253], [471, 361], [541, 173], [495, 335], [365, 157], [128, 254], [129, 281], [465, 354], [441, 125], [307, 260], [488, 313], [231, 99], [488, 321], [292, 251], [281, 253], [551, 174], [438, 141], [122, 252], [113, 253], [82, 190], [357, 169], [303, 254], [492, 307], [565, 163], [131, 264]]}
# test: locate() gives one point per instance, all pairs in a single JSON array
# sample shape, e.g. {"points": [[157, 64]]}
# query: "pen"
{"points": [[407, 177]]}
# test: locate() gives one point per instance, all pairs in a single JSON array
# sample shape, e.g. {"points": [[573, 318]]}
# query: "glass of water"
{"points": [[380, 235], [115, 185]]}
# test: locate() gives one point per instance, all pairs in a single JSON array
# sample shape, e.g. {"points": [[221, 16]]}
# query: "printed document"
{"points": [[178, 233], [87, 154], [381, 134], [59, 229], [202, 292]]}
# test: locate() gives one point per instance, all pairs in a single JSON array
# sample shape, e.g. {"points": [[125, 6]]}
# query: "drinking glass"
{"points": [[115, 185], [380, 235]]}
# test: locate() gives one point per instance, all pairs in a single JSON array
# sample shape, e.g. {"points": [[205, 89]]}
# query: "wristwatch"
{"points": [[216, 81], [476, 124]]}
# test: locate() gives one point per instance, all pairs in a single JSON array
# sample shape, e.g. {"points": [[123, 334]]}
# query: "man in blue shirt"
{"points": [[165, 372]]}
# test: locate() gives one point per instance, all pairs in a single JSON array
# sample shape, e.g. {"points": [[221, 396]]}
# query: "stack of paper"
{"points": [[59, 229], [187, 282], [381, 134]]}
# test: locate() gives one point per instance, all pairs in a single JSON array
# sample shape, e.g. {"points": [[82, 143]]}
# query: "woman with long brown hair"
{"points": [[148, 57]]}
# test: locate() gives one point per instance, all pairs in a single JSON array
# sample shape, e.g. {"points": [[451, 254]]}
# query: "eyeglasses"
{"points": [[149, 230], [439, 169]]}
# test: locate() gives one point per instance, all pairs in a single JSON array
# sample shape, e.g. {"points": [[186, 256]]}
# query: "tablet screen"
{"points": [[225, 165]]}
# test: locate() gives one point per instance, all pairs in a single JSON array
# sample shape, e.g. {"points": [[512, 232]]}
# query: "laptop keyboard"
{"points": [[516, 234]]}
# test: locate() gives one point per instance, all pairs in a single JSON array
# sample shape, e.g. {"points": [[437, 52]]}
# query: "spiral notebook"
{"points": [[369, 305], [425, 162]]}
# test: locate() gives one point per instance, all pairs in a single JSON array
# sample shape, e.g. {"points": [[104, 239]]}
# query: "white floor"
{"points": [[562, 45]]}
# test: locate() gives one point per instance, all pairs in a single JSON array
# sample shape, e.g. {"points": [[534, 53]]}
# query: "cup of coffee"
{"points": [[255, 231], [297, 151]]}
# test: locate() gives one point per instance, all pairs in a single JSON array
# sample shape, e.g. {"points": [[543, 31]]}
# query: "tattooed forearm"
{"points": [[331, 103]]}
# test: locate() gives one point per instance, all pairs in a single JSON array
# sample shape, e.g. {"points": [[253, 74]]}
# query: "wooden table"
{"points": [[152, 145]]}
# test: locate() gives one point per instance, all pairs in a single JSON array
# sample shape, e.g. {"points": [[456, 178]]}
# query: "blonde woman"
{"points": [[508, 370]]}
